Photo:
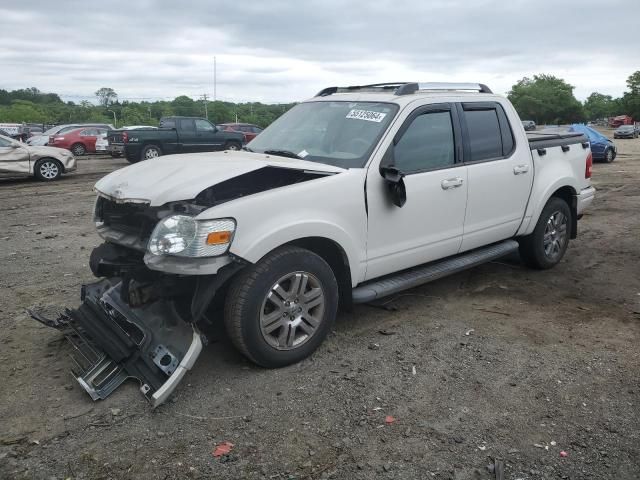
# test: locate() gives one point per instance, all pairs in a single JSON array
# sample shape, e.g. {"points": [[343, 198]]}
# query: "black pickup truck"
{"points": [[178, 135]]}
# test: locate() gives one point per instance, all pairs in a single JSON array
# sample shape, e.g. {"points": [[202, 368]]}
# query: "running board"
{"points": [[432, 271]]}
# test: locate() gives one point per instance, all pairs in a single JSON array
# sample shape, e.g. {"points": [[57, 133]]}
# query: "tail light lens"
{"points": [[588, 166], [125, 137]]}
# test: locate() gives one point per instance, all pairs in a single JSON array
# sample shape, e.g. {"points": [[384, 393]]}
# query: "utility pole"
{"points": [[204, 97], [215, 85]]}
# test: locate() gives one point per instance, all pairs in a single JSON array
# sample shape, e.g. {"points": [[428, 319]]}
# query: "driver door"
{"points": [[427, 149], [14, 158], [207, 136]]}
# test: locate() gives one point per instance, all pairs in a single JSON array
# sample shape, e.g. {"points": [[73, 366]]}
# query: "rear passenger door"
{"points": [[500, 175]]}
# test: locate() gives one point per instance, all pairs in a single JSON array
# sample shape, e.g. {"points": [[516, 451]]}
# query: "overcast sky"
{"points": [[281, 51]]}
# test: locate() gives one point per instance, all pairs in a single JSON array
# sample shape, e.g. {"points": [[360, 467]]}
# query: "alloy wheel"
{"points": [[49, 170], [292, 310], [555, 235]]}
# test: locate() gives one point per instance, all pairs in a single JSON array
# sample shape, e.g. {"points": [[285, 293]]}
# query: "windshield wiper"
{"points": [[247, 149], [283, 153]]}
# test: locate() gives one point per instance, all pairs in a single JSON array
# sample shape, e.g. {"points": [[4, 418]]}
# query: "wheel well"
{"points": [[568, 194], [334, 255]]}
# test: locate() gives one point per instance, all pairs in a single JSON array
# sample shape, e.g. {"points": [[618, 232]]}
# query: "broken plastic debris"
{"points": [[564, 454], [482, 447], [222, 449], [469, 332], [413, 370], [389, 420], [552, 443]]}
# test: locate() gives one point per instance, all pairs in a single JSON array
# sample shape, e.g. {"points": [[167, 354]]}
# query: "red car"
{"points": [[80, 140], [250, 131]]}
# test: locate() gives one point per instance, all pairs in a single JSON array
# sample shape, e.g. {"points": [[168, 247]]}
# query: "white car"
{"points": [[44, 163], [355, 194], [102, 144]]}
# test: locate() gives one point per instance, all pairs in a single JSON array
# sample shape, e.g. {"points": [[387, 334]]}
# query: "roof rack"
{"points": [[406, 88]]}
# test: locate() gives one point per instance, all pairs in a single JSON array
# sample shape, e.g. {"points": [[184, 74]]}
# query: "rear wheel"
{"points": [[78, 149], [151, 151], [279, 310], [545, 247], [47, 169], [232, 146]]}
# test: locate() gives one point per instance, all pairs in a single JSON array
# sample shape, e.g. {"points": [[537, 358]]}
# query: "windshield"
{"points": [[625, 128], [336, 133]]}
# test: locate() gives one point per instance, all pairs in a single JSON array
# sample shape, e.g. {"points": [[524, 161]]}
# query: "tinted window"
{"points": [[187, 124], [168, 123], [427, 143], [204, 126], [485, 139]]}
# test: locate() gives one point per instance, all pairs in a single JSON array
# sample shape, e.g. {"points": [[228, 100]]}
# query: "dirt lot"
{"points": [[497, 362]]}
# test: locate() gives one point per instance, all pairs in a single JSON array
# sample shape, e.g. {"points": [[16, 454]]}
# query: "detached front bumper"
{"points": [[113, 342]]}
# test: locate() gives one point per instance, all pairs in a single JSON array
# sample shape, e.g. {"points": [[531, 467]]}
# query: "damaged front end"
{"points": [[113, 341], [135, 322]]}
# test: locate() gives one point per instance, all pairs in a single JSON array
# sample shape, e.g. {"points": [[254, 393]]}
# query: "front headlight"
{"points": [[185, 236]]}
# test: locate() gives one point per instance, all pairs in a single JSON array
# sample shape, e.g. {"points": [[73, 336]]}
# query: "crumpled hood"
{"points": [[182, 177], [43, 151]]}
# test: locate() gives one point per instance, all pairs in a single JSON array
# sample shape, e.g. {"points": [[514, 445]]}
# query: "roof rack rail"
{"points": [[405, 88]]}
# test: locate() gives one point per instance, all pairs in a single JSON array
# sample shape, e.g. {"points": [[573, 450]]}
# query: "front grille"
{"points": [[130, 218]]}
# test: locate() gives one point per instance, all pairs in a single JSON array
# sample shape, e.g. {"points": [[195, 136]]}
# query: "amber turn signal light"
{"points": [[218, 238]]}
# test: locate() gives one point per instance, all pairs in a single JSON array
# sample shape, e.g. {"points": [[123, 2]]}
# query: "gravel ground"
{"points": [[497, 366]]}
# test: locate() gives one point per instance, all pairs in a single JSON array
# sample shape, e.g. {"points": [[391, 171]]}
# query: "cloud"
{"points": [[280, 51]]}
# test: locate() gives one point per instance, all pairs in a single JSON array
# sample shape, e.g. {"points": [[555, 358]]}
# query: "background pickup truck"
{"points": [[355, 194], [178, 135]]}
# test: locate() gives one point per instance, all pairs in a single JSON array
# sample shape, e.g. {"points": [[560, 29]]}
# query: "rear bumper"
{"points": [[584, 199]]}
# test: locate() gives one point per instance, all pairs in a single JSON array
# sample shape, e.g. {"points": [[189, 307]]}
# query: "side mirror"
{"points": [[395, 184]]}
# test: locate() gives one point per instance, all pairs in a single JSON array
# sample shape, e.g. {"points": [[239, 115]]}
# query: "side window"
{"points": [[4, 143], [203, 126], [169, 123], [256, 129], [427, 144], [187, 124], [489, 132], [88, 132]]}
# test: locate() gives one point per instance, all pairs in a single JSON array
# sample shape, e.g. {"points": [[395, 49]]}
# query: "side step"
{"points": [[432, 271]]}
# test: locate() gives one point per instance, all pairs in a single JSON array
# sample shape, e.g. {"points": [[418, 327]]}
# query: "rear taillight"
{"points": [[125, 137], [588, 166]]}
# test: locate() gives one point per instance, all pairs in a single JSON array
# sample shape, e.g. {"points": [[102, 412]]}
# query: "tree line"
{"points": [[30, 105], [544, 98]]}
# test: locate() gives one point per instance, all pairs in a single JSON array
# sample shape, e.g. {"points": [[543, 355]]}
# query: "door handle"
{"points": [[451, 183], [520, 169]]}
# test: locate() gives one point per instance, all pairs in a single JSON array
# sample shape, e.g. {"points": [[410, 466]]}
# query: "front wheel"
{"points": [[278, 311], [47, 169], [545, 247], [608, 155], [151, 151]]}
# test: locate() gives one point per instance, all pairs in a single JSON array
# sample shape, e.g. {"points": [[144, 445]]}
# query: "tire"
{"points": [[545, 247], [78, 149], [609, 155], [150, 151], [266, 300], [232, 146], [47, 169]]}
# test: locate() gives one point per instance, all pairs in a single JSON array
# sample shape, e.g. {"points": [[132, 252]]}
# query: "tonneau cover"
{"points": [[556, 139]]}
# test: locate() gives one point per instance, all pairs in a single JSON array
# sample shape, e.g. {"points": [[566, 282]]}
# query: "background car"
{"points": [[115, 144], [601, 147], [249, 130], [44, 163], [625, 131], [80, 140], [102, 144], [529, 125], [43, 139]]}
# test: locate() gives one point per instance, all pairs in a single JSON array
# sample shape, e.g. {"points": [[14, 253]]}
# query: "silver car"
{"points": [[44, 163]]}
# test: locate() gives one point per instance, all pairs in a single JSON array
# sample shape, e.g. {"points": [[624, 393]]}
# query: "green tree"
{"points": [[545, 99], [630, 101], [598, 105], [106, 96]]}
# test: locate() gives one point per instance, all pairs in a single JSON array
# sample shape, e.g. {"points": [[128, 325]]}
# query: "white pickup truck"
{"points": [[357, 193]]}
